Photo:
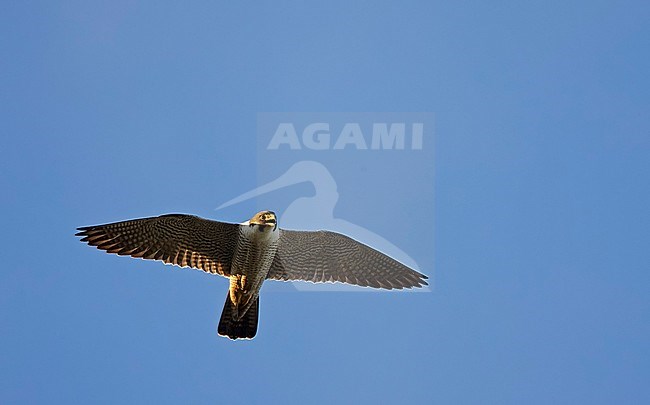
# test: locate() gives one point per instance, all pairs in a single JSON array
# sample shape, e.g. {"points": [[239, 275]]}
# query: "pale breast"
{"points": [[254, 254]]}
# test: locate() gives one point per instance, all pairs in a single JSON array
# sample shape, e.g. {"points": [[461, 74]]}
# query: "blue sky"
{"points": [[115, 110]]}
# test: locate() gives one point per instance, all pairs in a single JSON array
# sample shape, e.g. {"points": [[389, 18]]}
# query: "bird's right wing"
{"points": [[183, 240], [324, 256]]}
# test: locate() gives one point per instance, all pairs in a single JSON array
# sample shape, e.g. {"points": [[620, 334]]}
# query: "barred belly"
{"points": [[250, 265]]}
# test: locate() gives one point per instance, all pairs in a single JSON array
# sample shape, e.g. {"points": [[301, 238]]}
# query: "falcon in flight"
{"points": [[249, 253]]}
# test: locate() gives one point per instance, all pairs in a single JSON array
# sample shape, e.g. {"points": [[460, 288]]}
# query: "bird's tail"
{"points": [[244, 328]]}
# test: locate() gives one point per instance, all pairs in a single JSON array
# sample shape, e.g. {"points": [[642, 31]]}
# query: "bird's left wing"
{"points": [[183, 240], [324, 256]]}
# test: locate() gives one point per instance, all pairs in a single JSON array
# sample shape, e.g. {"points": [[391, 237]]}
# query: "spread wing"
{"points": [[183, 240], [325, 256]]}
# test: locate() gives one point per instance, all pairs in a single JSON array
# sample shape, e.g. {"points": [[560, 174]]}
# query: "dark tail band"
{"points": [[246, 327]]}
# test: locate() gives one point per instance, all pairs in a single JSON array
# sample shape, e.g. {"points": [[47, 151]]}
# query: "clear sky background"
{"points": [[113, 110]]}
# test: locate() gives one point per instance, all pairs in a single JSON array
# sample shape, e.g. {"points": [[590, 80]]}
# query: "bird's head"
{"points": [[265, 220]]}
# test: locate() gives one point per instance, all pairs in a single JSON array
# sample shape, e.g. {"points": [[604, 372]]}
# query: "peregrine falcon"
{"points": [[249, 253]]}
